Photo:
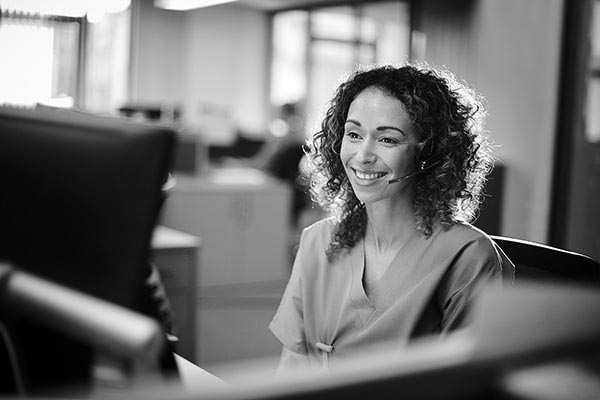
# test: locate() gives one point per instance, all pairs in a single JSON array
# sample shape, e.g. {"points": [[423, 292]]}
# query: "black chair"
{"points": [[538, 262]]}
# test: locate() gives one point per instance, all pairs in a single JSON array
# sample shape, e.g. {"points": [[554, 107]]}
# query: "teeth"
{"points": [[369, 176]]}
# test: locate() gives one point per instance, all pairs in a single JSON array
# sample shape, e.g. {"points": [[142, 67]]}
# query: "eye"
{"points": [[389, 140], [353, 135]]}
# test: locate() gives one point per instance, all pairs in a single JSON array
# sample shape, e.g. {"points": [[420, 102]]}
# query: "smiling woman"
{"points": [[379, 144], [399, 163], [452, 150]]}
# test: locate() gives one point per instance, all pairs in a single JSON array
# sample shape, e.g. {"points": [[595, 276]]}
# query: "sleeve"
{"points": [[476, 265], [288, 323], [291, 362]]}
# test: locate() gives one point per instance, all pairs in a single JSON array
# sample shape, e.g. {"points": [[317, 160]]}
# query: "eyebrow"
{"points": [[379, 128]]}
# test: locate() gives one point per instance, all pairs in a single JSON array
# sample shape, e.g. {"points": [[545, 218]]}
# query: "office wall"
{"points": [[509, 51], [158, 54], [228, 62], [215, 56], [517, 56]]}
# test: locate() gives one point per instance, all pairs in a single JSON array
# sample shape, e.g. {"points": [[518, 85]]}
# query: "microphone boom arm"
{"points": [[417, 172]]}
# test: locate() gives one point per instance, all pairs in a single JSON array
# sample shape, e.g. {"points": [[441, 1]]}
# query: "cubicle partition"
{"points": [[241, 217]]}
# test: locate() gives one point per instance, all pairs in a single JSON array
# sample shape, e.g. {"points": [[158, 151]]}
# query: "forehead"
{"points": [[375, 107]]}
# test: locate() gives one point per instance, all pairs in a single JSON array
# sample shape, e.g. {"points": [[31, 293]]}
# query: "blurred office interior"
{"points": [[220, 74]]}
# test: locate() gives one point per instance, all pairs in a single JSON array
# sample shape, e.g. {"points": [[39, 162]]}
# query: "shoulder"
{"points": [[466, 249], [319, 232], [473, 262], [471, 253], [461, 235], [315, 239]]}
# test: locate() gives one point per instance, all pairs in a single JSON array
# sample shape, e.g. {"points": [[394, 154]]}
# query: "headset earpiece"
{"points": [[426, 157], [424, 161]]}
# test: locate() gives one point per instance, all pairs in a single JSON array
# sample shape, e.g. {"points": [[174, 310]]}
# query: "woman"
{"points": [[399, 163]]}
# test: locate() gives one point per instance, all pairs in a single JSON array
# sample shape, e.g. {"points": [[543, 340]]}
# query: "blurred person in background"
{"points": [[281, 156]]}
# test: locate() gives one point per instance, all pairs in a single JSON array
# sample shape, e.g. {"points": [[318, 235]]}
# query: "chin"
{"points": [[367, 198]]}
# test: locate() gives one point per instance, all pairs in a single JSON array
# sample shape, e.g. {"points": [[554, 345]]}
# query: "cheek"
{"points": [[344, 154], [411, 160], [405, 160]]}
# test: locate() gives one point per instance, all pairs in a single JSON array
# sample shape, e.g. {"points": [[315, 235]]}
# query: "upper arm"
{"points": [[476, 265], [288, 323]]}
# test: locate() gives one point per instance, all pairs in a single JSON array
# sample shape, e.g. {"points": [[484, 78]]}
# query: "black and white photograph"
{"points": [[300, 199]]}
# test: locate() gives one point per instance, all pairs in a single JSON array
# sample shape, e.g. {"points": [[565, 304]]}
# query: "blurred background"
{"points": [[244, 82]]}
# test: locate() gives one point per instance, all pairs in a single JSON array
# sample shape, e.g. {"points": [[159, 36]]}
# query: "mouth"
{"points": [[368, 176]]}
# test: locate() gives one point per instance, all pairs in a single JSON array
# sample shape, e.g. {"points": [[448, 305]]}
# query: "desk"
{"points": [[195, 378], [176, 255]]}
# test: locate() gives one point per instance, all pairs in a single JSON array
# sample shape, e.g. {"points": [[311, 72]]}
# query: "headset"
{"points": [[431, 161]]}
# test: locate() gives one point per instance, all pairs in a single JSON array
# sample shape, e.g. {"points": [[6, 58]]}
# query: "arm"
{"points": [[288, 322], [475, 265]]}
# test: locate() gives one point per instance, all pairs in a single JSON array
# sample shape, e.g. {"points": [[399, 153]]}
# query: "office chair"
{"points": [[538, 262]]}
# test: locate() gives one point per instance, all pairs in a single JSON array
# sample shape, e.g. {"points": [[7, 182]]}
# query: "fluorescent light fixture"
{"points": [[181, 5]]}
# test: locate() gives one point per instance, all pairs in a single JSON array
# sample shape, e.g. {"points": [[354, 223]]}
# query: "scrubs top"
{"points": [[427, 289]]}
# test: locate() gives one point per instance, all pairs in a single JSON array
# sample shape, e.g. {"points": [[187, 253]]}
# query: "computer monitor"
{"points": [[529, 341], [79, 200]]}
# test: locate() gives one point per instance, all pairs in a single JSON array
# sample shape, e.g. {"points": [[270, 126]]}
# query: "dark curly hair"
{"points": [[448, 117]]}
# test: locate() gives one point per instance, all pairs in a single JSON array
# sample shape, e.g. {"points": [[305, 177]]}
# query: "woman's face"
{"points": [[379, 144]]}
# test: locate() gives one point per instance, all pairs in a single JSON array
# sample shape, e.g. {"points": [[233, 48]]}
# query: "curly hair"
{"points": [[449, 119]]}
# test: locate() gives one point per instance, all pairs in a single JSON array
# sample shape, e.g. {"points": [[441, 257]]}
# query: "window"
{"points": [[105, 83], [313, 49], [63, 54], [41, 59]]}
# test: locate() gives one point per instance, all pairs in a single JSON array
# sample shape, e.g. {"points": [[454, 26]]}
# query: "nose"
{"points": [[365, 154]]}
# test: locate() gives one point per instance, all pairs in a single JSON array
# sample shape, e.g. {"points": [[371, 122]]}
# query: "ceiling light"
{"points": [[181, 5]]}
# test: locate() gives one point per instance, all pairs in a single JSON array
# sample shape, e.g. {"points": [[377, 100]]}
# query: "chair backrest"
{"points": [[538, 262]]}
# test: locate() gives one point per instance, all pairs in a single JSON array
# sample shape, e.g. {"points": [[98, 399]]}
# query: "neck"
{"points": [[389, 225]]}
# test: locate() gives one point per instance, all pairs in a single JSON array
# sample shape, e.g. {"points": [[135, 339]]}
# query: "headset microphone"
{"points": [[424, 167]]}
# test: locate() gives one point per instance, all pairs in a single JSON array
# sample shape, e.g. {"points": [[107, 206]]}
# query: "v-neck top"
{"points": [[427, 289]]}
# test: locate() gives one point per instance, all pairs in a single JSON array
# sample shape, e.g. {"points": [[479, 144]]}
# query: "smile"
{"points": [[368, 176]]}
